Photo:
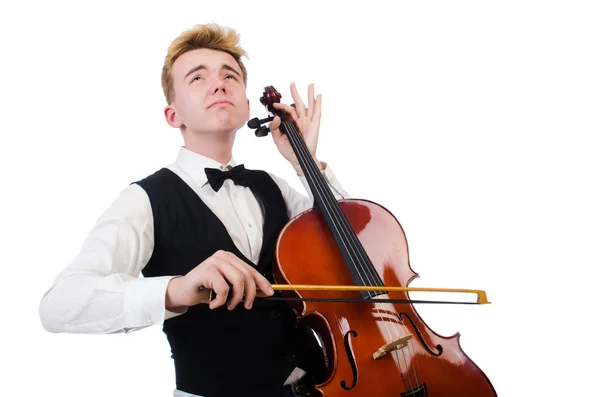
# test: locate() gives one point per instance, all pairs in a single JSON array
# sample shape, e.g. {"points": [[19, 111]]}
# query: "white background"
{"points": [[475, 123]]}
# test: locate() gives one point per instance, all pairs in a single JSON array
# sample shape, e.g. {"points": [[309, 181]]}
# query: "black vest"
{"points": [[220, 352]]}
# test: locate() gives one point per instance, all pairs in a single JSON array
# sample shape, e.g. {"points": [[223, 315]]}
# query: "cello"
{"points": [[355, 304]]}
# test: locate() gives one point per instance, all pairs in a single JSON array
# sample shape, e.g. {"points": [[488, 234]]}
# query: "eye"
{"points": [[196, 78], [230, 76]]}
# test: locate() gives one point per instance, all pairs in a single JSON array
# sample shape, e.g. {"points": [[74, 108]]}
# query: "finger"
{"points": [[317, 112], [263, 285], [275, 123], [300, 107], [259, 284], [262, 294], [235, 278], [216, 282], [259, 279], [249, 283], [274, 128], [311, 101], [291, 110]]}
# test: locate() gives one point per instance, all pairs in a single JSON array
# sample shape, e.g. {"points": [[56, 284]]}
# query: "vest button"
{"points": [[290, 357], [275, 314]]}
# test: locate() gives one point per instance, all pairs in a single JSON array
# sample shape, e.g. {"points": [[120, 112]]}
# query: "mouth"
{"points": [[220, 104]]}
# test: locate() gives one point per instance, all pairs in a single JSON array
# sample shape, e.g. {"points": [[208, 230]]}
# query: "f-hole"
{"points": [[351, 361], [438, 347]]}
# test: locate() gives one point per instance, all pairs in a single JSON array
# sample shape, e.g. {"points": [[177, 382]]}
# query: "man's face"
{"points": [[210, 96]]}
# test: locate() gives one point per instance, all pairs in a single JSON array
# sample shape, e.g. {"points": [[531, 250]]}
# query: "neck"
{"points": [[216, 147]]}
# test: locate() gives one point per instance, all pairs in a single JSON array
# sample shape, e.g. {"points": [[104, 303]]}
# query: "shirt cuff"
{"points": [[145, 302]]}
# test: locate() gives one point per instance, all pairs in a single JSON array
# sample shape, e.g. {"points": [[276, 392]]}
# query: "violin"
{"points": [[350, 260]]}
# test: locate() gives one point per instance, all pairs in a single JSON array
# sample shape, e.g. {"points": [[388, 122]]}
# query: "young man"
{"points": [[188, 233]]}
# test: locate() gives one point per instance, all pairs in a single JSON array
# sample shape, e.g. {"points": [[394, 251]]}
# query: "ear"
{"points": [[171, 117]]}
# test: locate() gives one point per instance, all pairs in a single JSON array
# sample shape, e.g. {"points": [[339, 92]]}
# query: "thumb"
{"points": [[274, 127]]}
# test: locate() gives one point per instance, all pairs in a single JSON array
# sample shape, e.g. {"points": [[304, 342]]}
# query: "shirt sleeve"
{"points": [[101, 290], [297, 202]]}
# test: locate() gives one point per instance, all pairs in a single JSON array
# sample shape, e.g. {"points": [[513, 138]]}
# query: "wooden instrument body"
{"points": [[350, 333]]}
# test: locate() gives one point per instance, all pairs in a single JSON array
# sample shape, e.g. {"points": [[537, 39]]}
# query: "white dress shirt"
{"points": [[102, 290]]}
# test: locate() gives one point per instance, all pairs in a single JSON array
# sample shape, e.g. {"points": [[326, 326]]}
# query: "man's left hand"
{"points": [[308, 121]]}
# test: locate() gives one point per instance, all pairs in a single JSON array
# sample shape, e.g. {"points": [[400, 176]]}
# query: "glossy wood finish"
{"points": [[307, 254]]}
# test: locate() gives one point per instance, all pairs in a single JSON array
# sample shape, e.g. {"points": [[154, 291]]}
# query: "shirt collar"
{"points": [[193, 164]]}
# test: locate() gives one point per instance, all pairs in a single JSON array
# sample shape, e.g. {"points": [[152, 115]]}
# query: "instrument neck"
{"points": [[359, 265], [324, 198]]}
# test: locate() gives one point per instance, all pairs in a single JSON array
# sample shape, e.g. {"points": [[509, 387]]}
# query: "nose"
{"points": [[219, 86]]}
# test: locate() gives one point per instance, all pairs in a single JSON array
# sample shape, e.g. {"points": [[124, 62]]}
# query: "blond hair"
{"points": [[211, 36]]}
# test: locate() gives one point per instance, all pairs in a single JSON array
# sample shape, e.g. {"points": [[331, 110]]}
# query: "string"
{"points": [[337, 218], [330, 209]]}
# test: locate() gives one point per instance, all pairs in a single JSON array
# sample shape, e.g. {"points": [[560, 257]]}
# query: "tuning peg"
{"points": [[262, 131], [256, 123]]}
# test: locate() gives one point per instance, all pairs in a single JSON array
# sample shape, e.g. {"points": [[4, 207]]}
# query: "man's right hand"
{"points": [[217, 273]]}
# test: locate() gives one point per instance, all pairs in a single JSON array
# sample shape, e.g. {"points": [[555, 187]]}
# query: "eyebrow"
{"points": [[203, 67]]}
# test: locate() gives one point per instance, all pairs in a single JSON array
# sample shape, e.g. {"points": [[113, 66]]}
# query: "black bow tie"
{"points": [[216, 177]]}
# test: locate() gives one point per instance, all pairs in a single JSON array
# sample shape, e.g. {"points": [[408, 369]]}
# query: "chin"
{"points": [[229, 124], [218, 129]]}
